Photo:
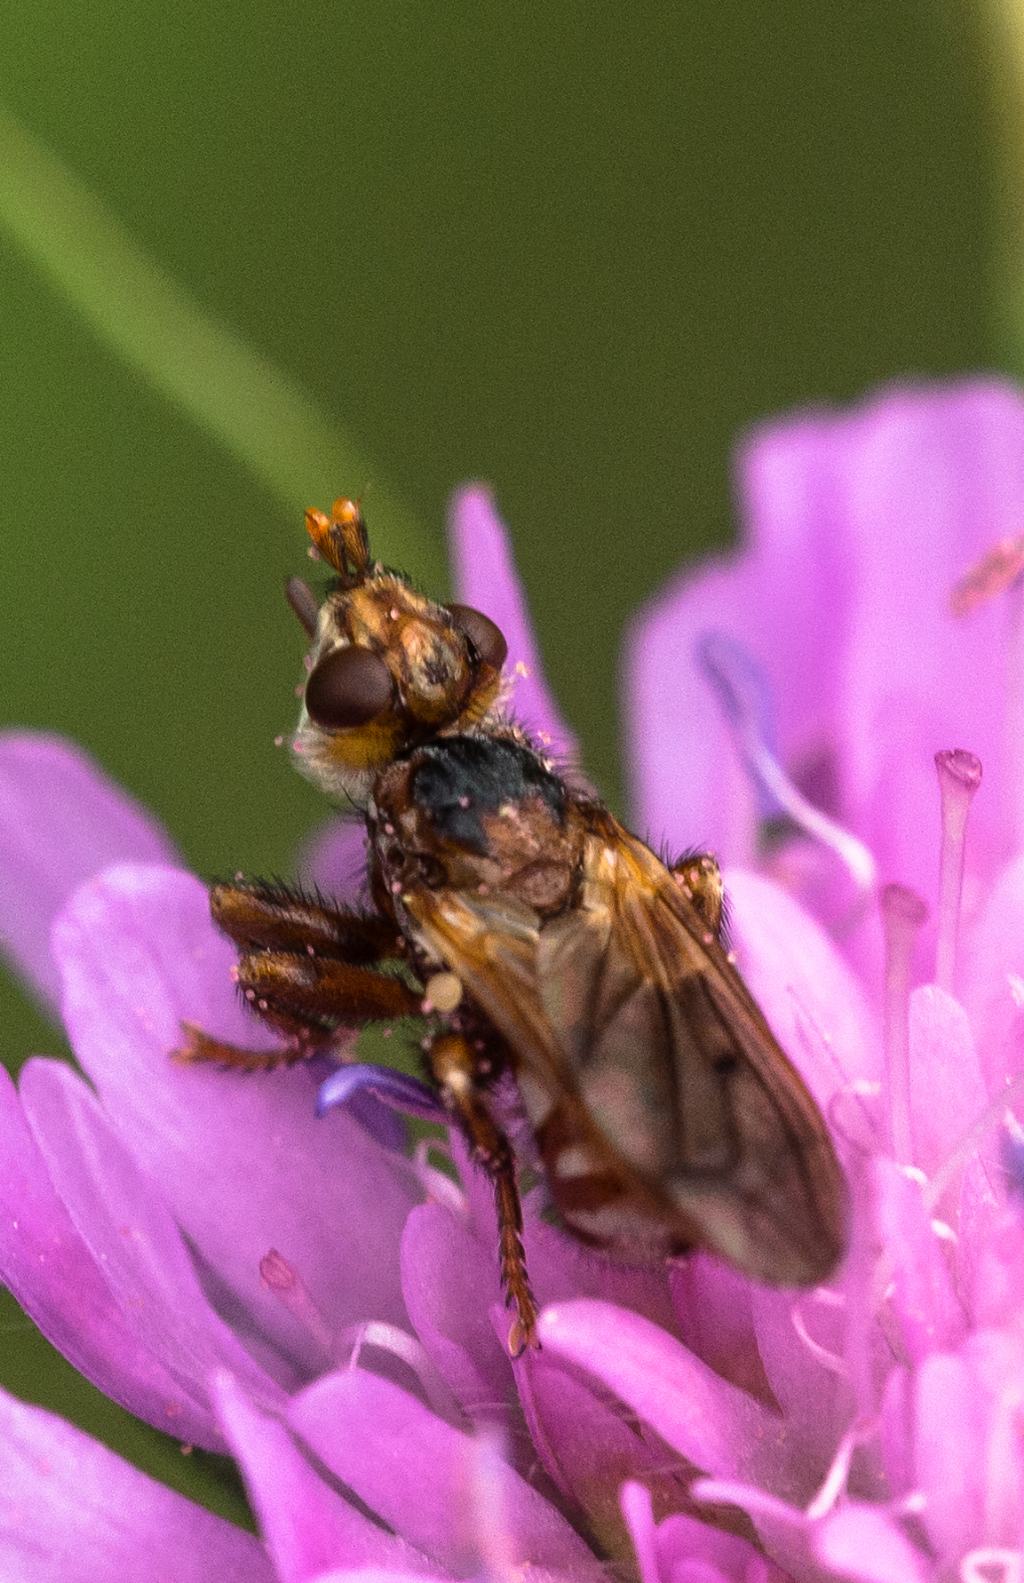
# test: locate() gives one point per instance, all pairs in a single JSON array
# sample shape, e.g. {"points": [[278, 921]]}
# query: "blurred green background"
{"points": [[573, 250]]}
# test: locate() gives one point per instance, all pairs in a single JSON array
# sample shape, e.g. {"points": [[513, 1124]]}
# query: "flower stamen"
{"points": [[830, 1361], [290, 1289], [398, 1343], [992, 1564], [903, 913], [834, 1483], [959, 775], [394, 1088], [742, 690]]}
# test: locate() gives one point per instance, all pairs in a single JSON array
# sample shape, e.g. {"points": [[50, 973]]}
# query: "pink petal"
{"points": [[130, 1234], [46, 1264], [814, 1003], [859, 525], [994, 978], [73, 1512], [61, 820], [561, 1266], [785, 474], [784, 597], [715, 1319], [334, 860], [680, 1537], [638, 1512], [688, 787], [588, 1449], [426, 1480], [782, 1530], [946, 1087], [994, 1273], [950, 1443], [244, 1165], [450, 1280], [435, 1575], [993, 1357], [928, 481], [486, 578], [814, 1398], [382, 1575], [896, 1431], [863, 1543], [683, 1550], [927, 1309], [307, 1525], [895, 501], [711, 1423]]}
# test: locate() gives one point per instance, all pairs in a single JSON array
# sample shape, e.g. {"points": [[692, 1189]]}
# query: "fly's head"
{"points": [[388, 668]]}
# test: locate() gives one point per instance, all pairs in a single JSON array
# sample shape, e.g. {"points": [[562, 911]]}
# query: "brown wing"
{"points": [[666, 1112]]}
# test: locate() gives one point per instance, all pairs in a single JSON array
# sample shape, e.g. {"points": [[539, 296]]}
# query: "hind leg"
{"points": [[699, 877], [455, 1068]]}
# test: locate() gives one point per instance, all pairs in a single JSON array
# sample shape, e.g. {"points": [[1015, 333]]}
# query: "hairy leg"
{"points": [[303, 970], [454, 1066], [282, 918]]}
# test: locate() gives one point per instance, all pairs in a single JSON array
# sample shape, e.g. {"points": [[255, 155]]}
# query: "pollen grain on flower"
{"points": [[997, 570]]}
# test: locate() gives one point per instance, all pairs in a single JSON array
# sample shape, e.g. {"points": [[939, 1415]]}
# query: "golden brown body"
{"points": [[564, 951], [666, 1114]]}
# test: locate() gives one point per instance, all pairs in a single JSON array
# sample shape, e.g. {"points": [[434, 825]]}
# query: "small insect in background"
{"points": [[539, 939]]}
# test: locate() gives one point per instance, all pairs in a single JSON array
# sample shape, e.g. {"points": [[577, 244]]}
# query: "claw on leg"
{"points": [[199, 1049], [523, 1329]]}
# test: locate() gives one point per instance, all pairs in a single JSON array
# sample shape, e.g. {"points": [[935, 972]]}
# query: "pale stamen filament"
{"points": [[903, 913], [743, 692], [378, 1333], [834, 1483], [828, 1360], [959, 775]]}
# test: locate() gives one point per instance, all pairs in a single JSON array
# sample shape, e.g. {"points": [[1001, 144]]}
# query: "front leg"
{"points": [[455, 1067], [302, 971], [286, 918]]}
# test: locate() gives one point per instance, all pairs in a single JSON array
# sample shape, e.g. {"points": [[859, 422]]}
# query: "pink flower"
{"points": [[304, 1294]]}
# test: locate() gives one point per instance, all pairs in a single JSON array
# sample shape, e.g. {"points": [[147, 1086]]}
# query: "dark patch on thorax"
{"points": [[458, 781]]}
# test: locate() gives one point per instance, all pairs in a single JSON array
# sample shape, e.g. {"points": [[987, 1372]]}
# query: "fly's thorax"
{"points": [[388, 668], [480, 814]]}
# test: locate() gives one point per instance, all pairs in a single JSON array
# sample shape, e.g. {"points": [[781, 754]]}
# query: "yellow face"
{"points": [[387, 667]]}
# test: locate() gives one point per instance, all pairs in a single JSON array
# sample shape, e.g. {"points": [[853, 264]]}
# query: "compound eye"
{"points": [[487, 640], [348, 688]]}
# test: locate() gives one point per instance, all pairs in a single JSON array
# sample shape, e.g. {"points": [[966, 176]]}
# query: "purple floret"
{"points": [[327, 1308]]}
